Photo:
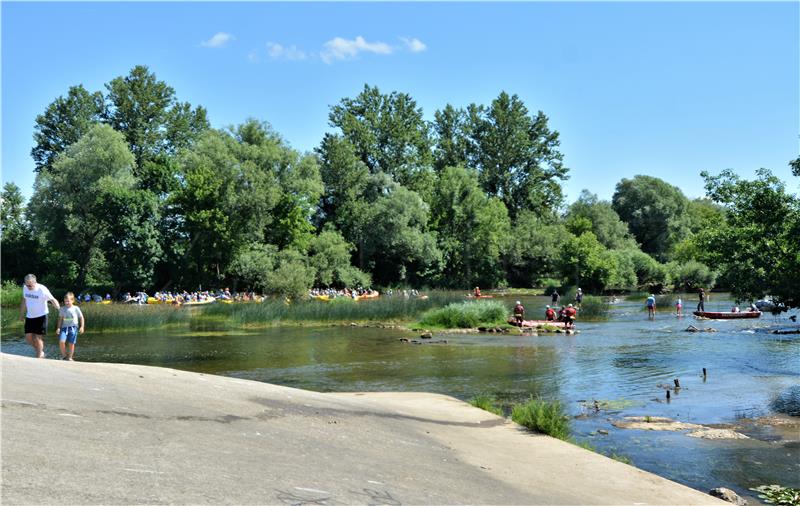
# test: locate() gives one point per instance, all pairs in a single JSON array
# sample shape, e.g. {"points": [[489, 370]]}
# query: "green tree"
{"points": [[655, 212], [388, 134], [516, 155], [535, 249], [603, 221], [690, 276], [65, 120], [292, 276], [252, 266], [344, 176], [756, 249], [451, 131], [70, 206], [19, 253], [329, 256], [473, 230]]}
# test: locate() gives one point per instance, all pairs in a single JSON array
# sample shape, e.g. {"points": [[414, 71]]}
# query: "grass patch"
{"points": [[486, 403], [546, 417], [467, 315], [593, 308]]}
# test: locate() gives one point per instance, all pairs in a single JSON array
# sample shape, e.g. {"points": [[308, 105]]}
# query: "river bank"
{"points": [[134, 434]]}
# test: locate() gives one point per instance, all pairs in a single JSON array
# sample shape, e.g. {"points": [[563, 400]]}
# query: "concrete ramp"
{"points": [[82, 433]]}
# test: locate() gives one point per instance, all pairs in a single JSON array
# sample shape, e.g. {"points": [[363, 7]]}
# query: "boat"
{"points": [[371, 295], [727, 315], [470, 296], [324, 298], [207, 300]]}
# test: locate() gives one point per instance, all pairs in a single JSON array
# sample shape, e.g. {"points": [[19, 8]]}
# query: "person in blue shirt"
{"points": [[651, 306]]}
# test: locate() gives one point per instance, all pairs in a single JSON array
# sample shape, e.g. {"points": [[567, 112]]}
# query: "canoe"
{"points": [[727, 315], [480, 296], [209, 300], [371, 295], [324, 298]]}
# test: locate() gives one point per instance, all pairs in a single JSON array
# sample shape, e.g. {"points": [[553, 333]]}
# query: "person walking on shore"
{"points": [[70, 324], [33, 311], [702, 296]]}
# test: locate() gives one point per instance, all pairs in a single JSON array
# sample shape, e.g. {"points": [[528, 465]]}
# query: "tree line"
{"points": [[135, 190]]}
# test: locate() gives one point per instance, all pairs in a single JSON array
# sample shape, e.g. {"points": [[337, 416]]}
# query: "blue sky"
{"points": [[665, 89]]}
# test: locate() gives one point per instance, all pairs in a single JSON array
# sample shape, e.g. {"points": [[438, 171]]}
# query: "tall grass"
{"points": [[10, 294], [486, 403], [593, 308], [465, 315], [546, 417], [103, 318]]}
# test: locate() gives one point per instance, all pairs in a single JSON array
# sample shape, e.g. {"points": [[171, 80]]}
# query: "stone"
{"points": [[602, 431], [727, 494], [717, 434], [426, 335]]}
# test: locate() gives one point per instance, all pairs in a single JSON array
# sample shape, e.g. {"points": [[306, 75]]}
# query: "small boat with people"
{"points": [[727, 315]]}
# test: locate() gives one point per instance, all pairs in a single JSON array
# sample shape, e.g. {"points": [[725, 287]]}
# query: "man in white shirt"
{"points": [[33, 310]]}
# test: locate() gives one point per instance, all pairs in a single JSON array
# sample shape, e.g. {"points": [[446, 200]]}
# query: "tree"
{"points": [[71, 202], [145, 110], [65, 120], [388, 134], [516, 155], [585, 262], [756, 249], [654, 211], [603, 221], [473, 230], [535, 249], [451, 130], [344, 177], [690, 276], [19, 249], [329, 257]]}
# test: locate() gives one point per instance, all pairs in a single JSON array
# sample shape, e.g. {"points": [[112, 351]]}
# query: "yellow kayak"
{"points": [[209, 300]]}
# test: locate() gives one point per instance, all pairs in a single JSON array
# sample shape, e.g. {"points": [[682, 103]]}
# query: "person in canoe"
{"points": [[477, 292], [701, 306], [519, 313], [549, 314]]}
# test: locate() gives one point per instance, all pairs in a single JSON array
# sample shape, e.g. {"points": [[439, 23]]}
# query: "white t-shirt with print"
{"points": [[36, 300]]}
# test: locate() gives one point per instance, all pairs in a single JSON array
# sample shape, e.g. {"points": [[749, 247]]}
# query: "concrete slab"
{"points": [[81, 433]]}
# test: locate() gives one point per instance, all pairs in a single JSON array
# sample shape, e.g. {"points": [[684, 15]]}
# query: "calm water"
{"points": [[624, 359]]}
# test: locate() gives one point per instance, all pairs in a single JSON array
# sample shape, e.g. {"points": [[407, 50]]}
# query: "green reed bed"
{"points": [[594, 308], [465, 315], [487, 403]]}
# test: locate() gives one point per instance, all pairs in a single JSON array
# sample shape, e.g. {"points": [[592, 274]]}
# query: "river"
{"points": [[626, 360]]}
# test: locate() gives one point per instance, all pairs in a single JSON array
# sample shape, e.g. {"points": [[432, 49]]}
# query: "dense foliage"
{"points": [[135, 190]]}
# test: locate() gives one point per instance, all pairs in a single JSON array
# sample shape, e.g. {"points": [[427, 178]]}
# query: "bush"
{"points": [[486, 403], [10, 294], [546, 417], [690, 276], [593, 308], [466, 315]]}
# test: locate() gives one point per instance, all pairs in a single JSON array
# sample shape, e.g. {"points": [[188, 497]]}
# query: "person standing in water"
{"points": [[33, 311], [651, 306], [679, 307], [519, 313]]}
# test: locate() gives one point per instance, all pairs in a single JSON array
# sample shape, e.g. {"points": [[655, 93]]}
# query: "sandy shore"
{"points": [[81, 433]]}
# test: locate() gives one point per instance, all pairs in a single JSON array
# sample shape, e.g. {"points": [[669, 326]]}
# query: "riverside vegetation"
{"points": [[152, 196]]}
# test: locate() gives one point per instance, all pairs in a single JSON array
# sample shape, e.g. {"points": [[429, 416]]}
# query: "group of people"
{"points": [[332, 293], [567, 314], [33, 311]]}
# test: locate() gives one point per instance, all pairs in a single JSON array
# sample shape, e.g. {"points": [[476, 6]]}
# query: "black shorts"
{"points": [[36, 326]]}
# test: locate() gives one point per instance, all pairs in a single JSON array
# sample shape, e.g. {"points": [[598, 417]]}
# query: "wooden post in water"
{"points": [[667, 395], [677, 383]]}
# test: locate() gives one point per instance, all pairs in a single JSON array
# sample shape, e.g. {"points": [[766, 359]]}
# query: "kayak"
{"points": [[371, 295], [480, 296], [208, 300], [727, 315]]}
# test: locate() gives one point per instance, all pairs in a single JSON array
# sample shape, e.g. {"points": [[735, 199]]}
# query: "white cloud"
{"points": [[218, 40], [277, 51], [252, 56], [343, 49], [414, 44]]}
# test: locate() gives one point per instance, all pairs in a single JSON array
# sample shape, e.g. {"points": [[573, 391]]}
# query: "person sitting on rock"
{"points": [[550, 314]]}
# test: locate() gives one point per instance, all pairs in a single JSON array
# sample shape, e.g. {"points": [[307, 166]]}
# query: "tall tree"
{"points": [[70, 206], [655, 212], [473, 230], [517, 155], [65, 121], [451, 131], [19, 254], [388, 133], [603, 221]]}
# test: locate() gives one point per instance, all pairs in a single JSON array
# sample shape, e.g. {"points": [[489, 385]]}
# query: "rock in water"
{"points": [[727, 494]]}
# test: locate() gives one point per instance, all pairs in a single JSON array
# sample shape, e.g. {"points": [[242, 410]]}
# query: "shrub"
{"points": [[546, 417], [690, 276], [465, 315], [10, 294]]}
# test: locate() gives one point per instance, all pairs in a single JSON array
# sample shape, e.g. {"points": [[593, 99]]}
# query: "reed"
{"points": [[465, 315], [546, 417], [593, 308]]}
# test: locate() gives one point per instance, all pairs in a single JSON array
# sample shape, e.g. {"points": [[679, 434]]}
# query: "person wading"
{"points": [[33, 310]]}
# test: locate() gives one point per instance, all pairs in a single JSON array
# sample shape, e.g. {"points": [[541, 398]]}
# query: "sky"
{"points": [[663, 89]]}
